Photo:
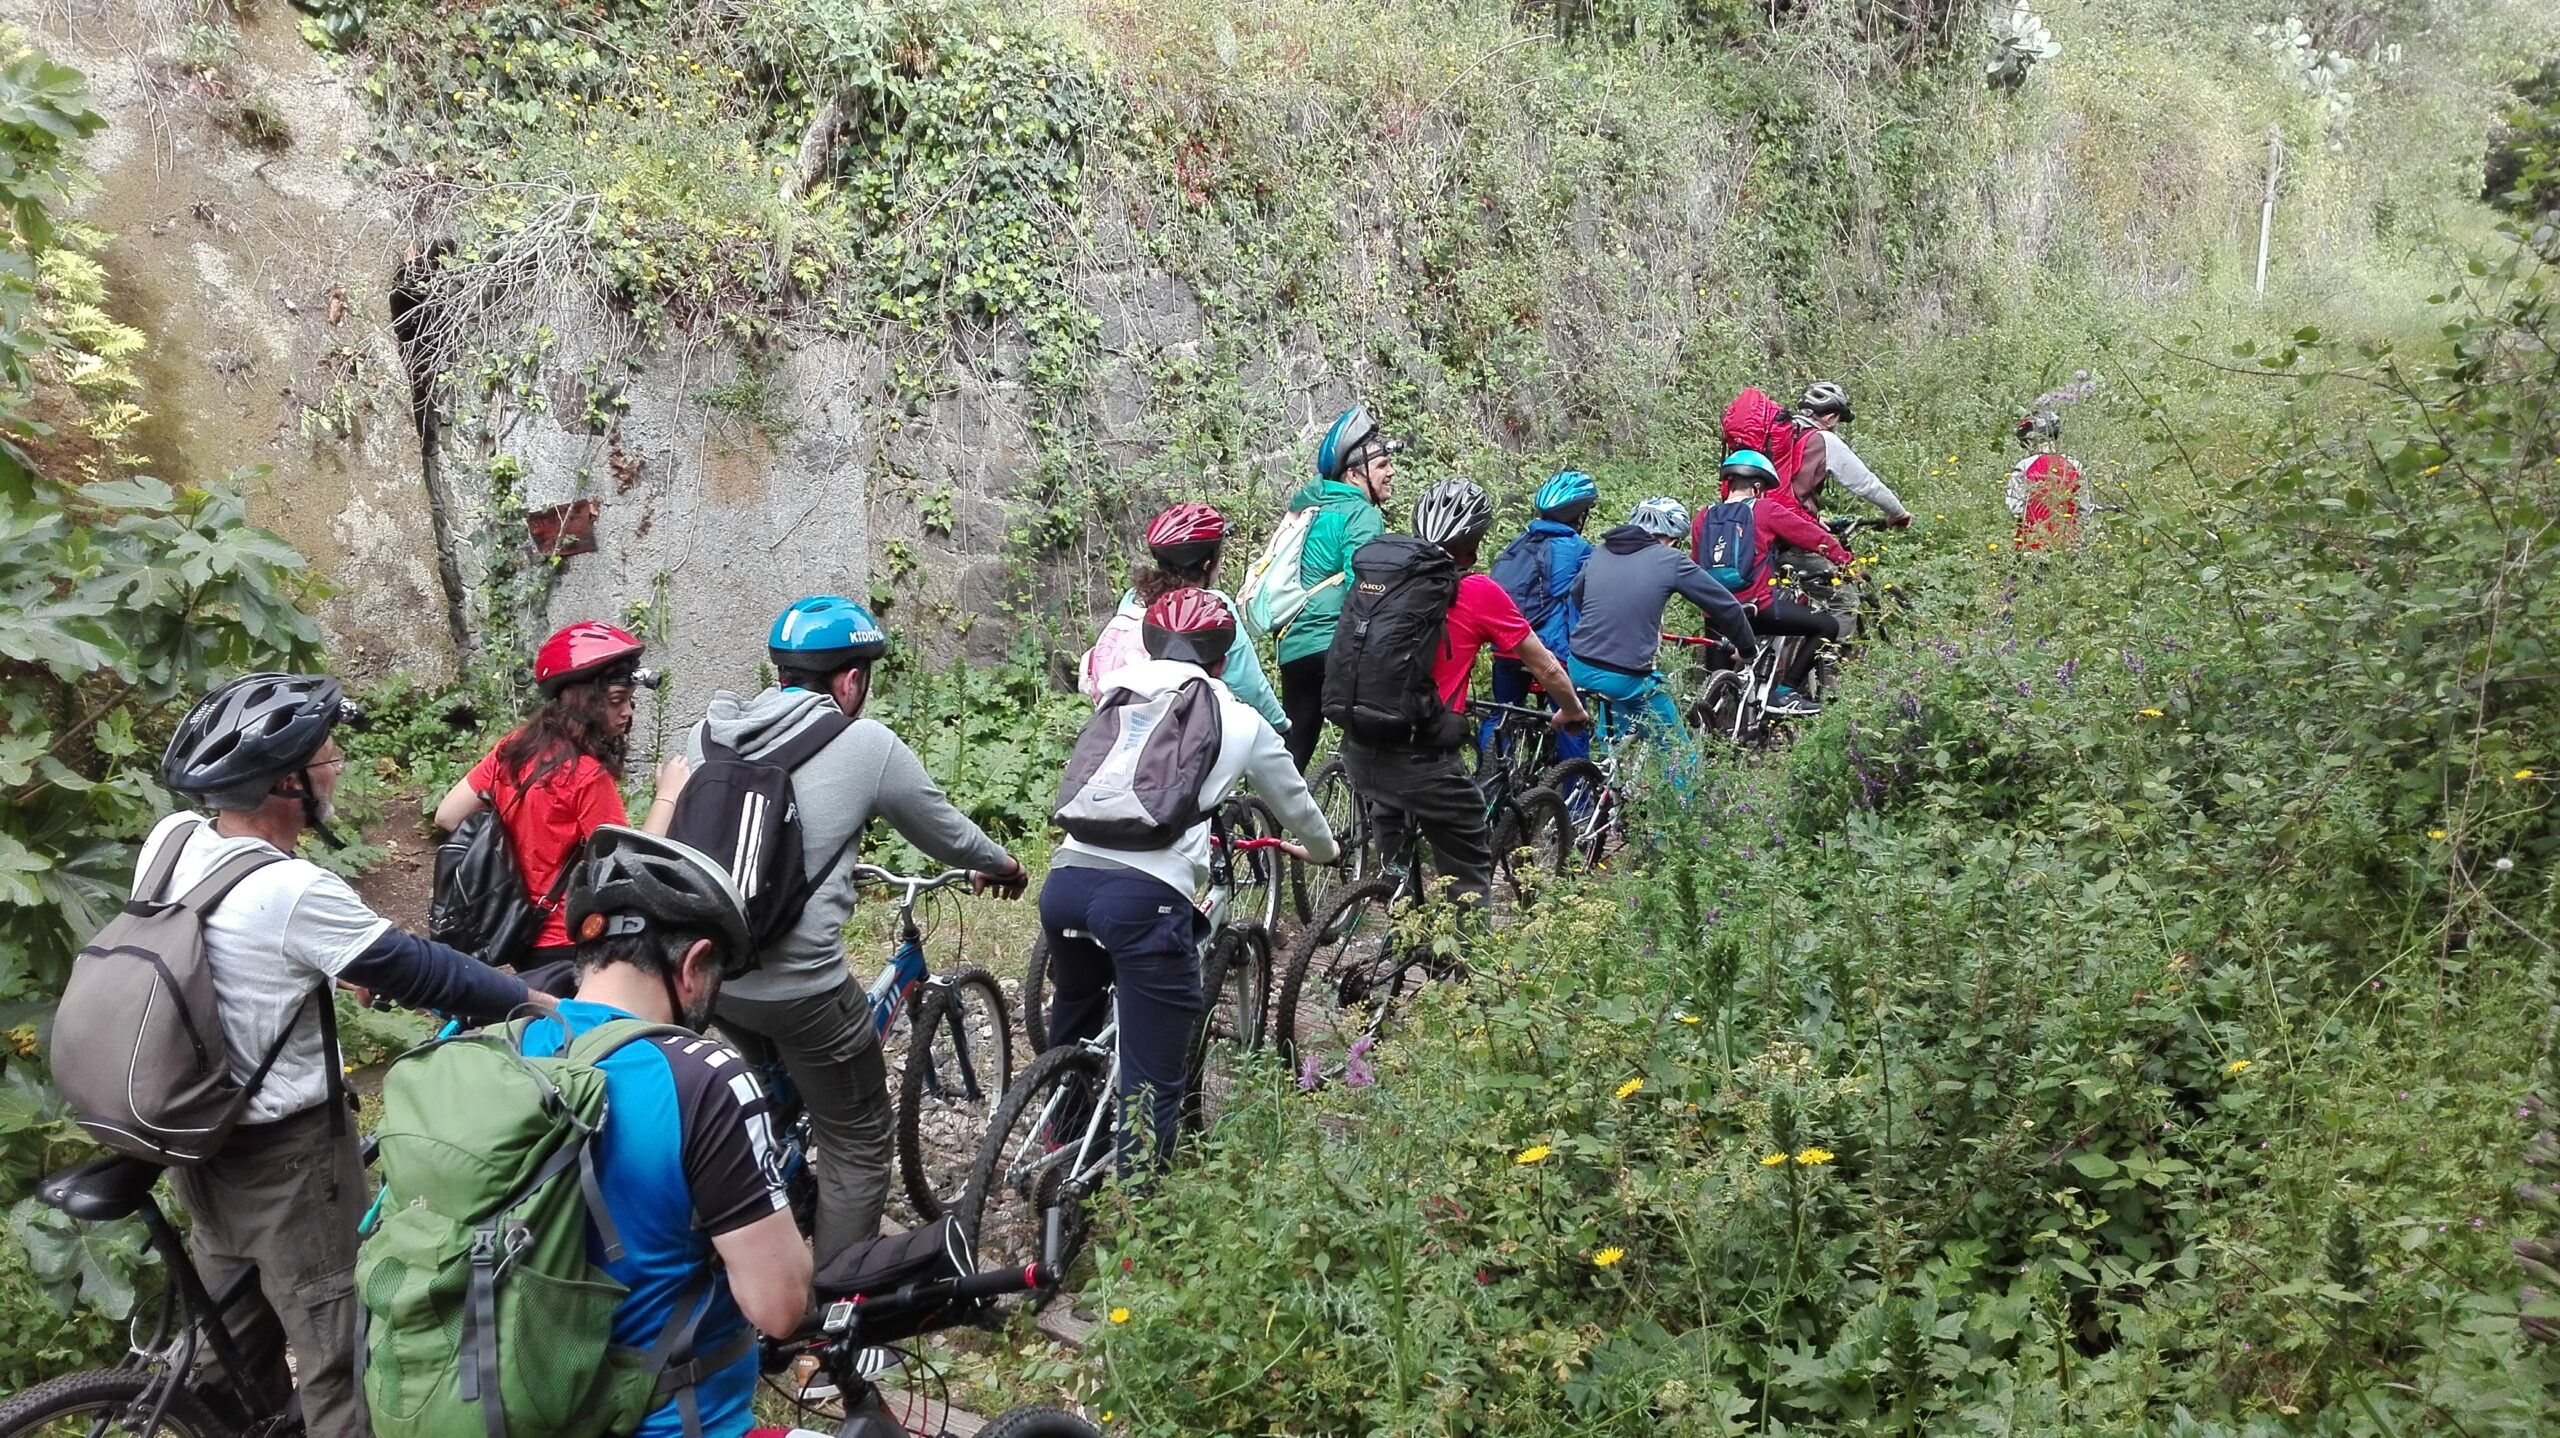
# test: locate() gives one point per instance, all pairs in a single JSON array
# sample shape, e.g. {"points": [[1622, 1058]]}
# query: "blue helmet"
{"points": [[824, 634], [1747, 466], [1567, 498], [1353, 438]]}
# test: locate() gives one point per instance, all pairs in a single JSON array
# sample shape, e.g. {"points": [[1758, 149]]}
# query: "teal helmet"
{"points": [[1353, 438], [824, 634], [1746, 466], [1567, 498]]}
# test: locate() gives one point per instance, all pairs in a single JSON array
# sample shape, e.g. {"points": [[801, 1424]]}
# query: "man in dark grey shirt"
{"points": [[800, 1003], [1623, 589]]}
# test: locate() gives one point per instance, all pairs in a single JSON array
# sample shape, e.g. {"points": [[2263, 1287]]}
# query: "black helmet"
{"points": [[634, 882], [240, 739]]}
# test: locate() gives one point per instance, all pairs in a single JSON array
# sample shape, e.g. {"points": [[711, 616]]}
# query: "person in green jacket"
{"points": [[1355, 475]]}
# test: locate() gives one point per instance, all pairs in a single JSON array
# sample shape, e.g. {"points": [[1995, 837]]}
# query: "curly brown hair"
{"points": [[570, 723], [1155, 581]]}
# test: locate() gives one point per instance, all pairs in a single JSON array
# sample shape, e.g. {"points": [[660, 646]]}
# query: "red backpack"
{"points": [[1755, 421]]}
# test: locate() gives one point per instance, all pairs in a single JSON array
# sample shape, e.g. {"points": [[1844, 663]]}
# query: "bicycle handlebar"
{"points": [[1487, 709], [1249, 846], [916, 885]]}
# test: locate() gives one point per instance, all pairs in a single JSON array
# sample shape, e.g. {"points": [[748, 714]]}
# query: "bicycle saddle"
{"points": [[101, 1190]]}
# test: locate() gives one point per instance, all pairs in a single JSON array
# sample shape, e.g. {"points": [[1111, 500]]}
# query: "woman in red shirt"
{"points": [[558, 777]]}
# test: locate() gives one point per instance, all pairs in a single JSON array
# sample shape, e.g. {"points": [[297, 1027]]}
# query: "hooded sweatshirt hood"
{"points": [[753, 725], [1626, 539]]}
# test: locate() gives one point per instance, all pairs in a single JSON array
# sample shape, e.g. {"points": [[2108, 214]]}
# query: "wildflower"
{"points": [[2435, 833], [1630, 1087], [1815, 1157], [2524, 773], [1995, 544], [1119, 1315], [1773, 1160], [1310, 1074], [1355, 1069], [2152, 713], [2235, 1068], [1534, 1153], [1607, 1257], [1686, 1017]]}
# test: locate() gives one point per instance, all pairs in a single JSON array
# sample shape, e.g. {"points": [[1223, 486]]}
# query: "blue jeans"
{"points": [[1511, 686], [1119, 928], [1639, 707]]}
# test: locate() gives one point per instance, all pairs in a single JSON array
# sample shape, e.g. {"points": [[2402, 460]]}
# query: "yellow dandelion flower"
{"points": [[2435, 833], [1607, 1257], [2235, 1068], [2151, 713], [2524, 773], [1630, 1087], [1995, 544], [1951, 459], [1119, 1315], [1815, 1157], [1773, 1160], [1534, 1153]]}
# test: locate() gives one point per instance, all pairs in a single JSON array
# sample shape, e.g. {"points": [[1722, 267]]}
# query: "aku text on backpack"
{"points": [[743, 813], [1377, 677], [484, 1316], [138, 1044], [1141, 767]]}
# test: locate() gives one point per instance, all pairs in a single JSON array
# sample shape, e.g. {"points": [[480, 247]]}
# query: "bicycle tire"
{"points": [[1310, 886], [1235, 978], [1344, 980], [1592, 809], [962, 1022], [1011, 1234], [1541, 836], [99, 1395], [1724, 705], [1039, 1420], [1265, 876], [1035, 996]]}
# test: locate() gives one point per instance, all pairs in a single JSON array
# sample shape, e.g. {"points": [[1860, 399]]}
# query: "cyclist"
{"points": [[1126, 920], [1623, 593], [2044, 488], [284, 1195], [1423, 783], [1825, 407], [1757, 509], [1185, 542], [1355, 474], [557, 778], [1537, 570], [799, 1002], [687, 1167]]}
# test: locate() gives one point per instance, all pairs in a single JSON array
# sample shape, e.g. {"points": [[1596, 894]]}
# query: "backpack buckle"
{"points": [[484, 1247]]}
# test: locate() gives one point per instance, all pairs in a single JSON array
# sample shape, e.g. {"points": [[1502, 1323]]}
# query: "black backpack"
{"points": [[480, 905], [1377, 677], [742, 813]]}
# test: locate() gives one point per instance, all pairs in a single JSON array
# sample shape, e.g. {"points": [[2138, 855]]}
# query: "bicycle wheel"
{"points": [[1035, 996], [1534, 835], [1724, 705], [1345, 980], [1037, 1420], [1236, 978], [1263, 876], [118, 1400], [1592, 812], [1049, 1146], [1312, 887], [959, 1063]]}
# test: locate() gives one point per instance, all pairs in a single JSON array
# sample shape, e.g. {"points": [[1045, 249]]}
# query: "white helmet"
{"points": [[1662, 517], [1454, 511], [1826, 397]]}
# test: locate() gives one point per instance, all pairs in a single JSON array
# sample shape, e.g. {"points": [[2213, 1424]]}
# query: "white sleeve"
{"points": [[1273, 775], [328, 925], [2016, 497], [1855, 477]]}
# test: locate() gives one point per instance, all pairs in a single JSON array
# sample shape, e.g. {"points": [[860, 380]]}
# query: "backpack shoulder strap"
{"points": [[804, 746], [213, 888], [164, 865], [600, 1042]]}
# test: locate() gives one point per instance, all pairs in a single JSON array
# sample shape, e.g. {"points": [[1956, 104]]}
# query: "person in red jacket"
{"points": [[1749, 479], [2044, 489], [558, 778]]}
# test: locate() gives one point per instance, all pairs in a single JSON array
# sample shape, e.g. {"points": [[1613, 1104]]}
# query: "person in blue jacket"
{"points": [[1538, 570]]}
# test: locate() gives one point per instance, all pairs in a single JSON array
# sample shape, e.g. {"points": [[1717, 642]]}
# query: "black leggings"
{"points": [[1779, 615], [1302, 699]]}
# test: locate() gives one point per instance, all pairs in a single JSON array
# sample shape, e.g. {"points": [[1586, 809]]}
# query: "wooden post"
{"points": [[2267, 208]]}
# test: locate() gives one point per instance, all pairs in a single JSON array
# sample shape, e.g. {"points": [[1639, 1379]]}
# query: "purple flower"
{"points": [[1309, 1075], [2132, 661], [2069, 667], [1355, 1070]]}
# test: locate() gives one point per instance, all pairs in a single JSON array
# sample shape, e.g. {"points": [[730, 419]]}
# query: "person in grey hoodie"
{"points": [[800, 1003], [1624, 588]]}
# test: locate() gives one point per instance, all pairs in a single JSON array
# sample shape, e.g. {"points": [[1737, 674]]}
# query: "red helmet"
{"points": [[1186, 536], [1191, 625], [586, 650]]}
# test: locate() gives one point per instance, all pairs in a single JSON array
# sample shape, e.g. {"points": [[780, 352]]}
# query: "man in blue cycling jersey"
{"points": [[688, 1167], [1624, 590]]}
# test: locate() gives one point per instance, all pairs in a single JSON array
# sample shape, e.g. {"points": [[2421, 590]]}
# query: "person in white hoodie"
{"points": [[1129, 917]]}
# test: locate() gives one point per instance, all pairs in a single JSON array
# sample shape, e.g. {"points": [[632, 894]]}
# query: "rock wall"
{"points": [[262, 273]]}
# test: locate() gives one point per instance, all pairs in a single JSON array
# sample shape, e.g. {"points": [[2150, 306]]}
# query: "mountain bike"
{"points": [[953, 1058], [853, 1333], [1246, 891]]}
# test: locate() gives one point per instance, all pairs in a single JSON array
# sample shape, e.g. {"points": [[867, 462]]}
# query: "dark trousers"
{"points": [[1302, 699], [1120, 930], [1780, 615], [828, 1046], [1429, 790], [1511, 686], [283, 1199]]}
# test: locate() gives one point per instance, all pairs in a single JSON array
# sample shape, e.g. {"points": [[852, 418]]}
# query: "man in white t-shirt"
{"points": [[1825, 407], [284, 1195]]}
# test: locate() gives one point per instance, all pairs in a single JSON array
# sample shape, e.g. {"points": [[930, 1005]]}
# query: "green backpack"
{"points": [[484, 1317]]}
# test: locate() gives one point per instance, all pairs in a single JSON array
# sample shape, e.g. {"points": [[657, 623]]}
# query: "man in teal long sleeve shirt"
{"points": [[1355, 476]]}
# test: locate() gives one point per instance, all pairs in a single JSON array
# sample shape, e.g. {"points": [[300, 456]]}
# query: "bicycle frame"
{"points": [[890, 993], [1099, 1136]]}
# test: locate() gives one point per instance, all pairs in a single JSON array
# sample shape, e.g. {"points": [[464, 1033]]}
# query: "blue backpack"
{"points": [[1526, 572], [1727, 542]]}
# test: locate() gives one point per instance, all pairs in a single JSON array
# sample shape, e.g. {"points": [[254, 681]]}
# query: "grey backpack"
{"points": [[138, 1046], [1141, 766]]}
